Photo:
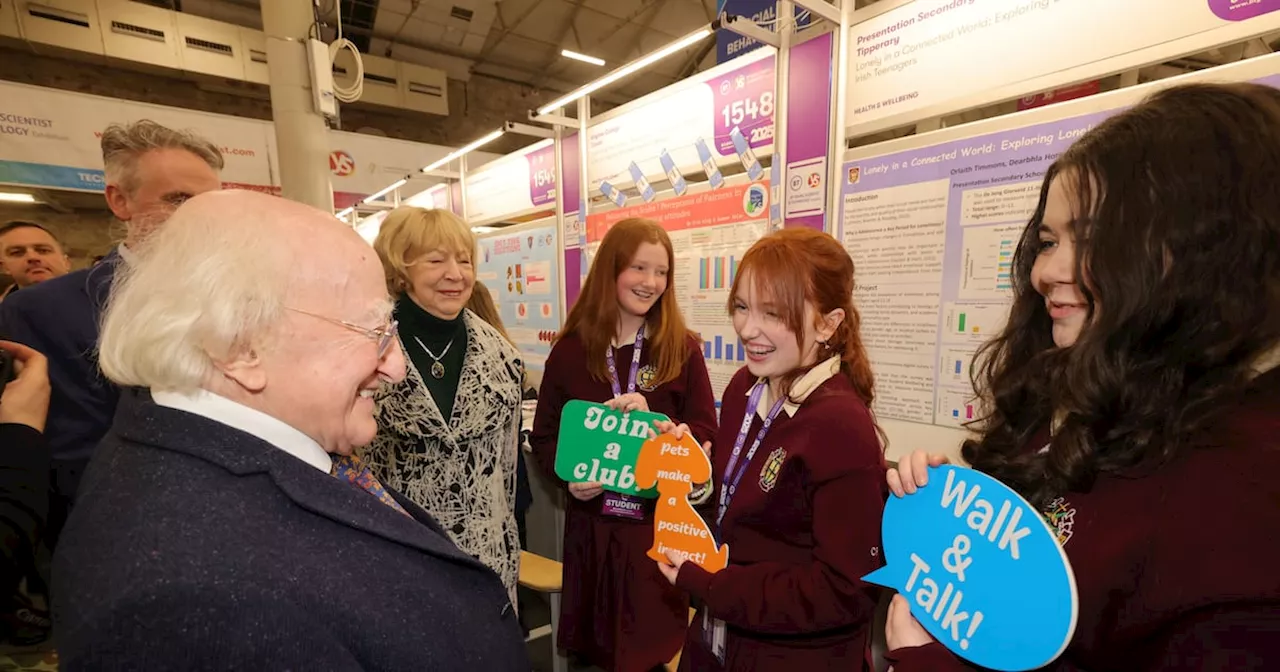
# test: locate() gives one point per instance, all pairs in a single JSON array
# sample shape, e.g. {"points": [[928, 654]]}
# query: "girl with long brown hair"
{"points": [[1134, 395], [625, 344], [799, 471]]}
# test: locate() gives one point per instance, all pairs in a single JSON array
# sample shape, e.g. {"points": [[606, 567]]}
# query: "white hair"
{"points": [[212, 280]]}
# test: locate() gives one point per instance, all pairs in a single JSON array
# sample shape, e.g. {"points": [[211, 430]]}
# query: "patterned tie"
{"points": [[353, 470]]}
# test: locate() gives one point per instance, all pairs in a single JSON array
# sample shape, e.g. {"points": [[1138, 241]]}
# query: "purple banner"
{"points": [[572, 188], [744, 101], [1242, 10], [808, 131], [572, 278], [542, 175]]}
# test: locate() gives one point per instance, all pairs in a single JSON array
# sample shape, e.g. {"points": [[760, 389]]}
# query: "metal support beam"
{"points": [[565, 28], [526, 129], [839, 140], [822, 9], [553, 119], [301, 132], [748, 28], [446, 174], [782, 105]]}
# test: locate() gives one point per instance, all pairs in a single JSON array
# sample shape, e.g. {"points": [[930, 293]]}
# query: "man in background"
{"points": [[150, 170], [29, 253]]}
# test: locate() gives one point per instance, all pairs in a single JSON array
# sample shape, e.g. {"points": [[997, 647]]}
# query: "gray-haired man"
{"points": [[150, 170]]}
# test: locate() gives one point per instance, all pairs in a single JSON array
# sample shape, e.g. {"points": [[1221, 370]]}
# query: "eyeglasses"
{"points": [[384, 336]]}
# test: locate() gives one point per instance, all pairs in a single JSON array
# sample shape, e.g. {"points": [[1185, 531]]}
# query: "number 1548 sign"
{"points": [[744, 99]]}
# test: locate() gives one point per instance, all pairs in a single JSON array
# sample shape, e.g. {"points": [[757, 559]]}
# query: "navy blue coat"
{"points": [[196, 546], [60, 319]]}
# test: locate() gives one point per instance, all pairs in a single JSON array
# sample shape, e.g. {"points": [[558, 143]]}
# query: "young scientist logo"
{"points": [[855, 174], [341, 163], [755, 201], [769, 472]]}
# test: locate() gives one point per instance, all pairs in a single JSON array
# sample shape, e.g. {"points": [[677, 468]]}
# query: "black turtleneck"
{"points": [[435, 333]]}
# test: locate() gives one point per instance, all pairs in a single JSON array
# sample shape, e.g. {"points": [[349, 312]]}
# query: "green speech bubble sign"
{"points": [[601, 445]]}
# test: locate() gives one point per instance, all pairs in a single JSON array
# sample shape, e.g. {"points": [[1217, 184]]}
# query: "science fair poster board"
{"points": [[519, 265], [710, 230], [931, 222], [914, 59]]}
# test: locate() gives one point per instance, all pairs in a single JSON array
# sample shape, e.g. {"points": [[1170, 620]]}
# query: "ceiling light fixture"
{"points": [[638, 64], [385, 190], [464, 150], [581, 57], [11, 197]]}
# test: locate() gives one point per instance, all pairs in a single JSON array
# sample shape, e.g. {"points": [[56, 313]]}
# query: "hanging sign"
{"points": [[674, 466], [600, 445], [983, 572]]}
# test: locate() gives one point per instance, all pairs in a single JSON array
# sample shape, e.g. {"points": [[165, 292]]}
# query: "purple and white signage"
{"points": [[707, 107], [492, 191], [1242, 10], [542, 175], [930, 57], [808, 132]]}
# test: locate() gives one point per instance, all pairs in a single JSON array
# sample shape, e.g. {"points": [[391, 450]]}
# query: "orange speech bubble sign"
{"points": [[675, 465]]}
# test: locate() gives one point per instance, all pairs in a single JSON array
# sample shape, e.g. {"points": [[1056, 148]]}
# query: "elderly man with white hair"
{"points": [[223, 522]]}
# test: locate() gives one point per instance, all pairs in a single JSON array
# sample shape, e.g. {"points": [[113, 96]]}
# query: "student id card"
{"points": [[713, 635]]}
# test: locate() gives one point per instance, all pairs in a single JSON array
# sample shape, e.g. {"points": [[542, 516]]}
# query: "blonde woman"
{"points": [[448, 434]]}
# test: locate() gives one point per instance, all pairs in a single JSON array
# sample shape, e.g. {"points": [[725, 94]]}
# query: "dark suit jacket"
{"points": [[196, 546], [60, 318], [24, 501]]}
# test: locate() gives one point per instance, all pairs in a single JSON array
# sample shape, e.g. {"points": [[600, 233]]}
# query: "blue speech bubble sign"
{"points": [[984, 573]]}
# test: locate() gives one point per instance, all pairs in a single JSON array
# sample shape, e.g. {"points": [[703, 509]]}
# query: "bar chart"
{"points": [[956, 407], [976, 321], [716, 272], [722, 350]]}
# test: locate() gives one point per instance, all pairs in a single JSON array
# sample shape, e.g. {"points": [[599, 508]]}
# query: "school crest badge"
{"points": [[645, 378], [772, 467], [1061, 516]]}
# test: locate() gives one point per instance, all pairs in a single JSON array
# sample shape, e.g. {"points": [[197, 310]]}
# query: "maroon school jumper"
{"points": [[791, 597], [619, 612], [1177, 568]]}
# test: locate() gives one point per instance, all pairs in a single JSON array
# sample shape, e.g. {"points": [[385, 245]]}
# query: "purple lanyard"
{"points": [[730, 486], [635, 366]]}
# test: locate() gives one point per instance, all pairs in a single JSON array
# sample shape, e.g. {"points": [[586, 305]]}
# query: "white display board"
{"points": [[931, 222], [51, 138], [916, 59], [513, 185], [707, 108]]}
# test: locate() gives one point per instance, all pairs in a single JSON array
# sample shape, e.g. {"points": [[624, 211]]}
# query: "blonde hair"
{"points": [[123, 144], [208, 282], [481, 303], [408, 233]]}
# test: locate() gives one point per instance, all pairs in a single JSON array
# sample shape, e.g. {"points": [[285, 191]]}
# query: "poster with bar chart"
{"points": [[717, 272]]}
